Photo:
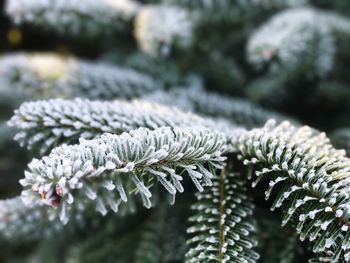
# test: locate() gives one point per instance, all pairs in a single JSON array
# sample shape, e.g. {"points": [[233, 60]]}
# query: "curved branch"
{"points": [[313, 179], [94, 172]]}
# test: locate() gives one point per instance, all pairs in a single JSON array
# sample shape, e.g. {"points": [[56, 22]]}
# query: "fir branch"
{"points": [[45, 75], [313, 179], [94, 18], [52, 122], [222, 226], [240, 111], [159, 28], [94, 171]]}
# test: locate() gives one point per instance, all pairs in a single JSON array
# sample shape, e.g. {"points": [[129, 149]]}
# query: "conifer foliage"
{"points": [[163, 131]]}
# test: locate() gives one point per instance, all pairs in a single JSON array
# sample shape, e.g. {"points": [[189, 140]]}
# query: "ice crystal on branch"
{"points": [[313, 178], [222, 227], [55, 121], [104, 144], [96, 171]]}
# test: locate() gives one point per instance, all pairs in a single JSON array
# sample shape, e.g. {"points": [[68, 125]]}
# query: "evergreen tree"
{"points": [[169, 131]]}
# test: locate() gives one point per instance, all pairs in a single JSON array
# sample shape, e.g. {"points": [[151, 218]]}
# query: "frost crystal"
{"points": [[53, 121], [78, 174], [319, 195]]}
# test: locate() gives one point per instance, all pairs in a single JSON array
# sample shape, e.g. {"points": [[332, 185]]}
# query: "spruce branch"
{"points": [[94, 18], [102, 172], [52, 122], [313, 181], [46, 75], [222, 227], [160, 28]]}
